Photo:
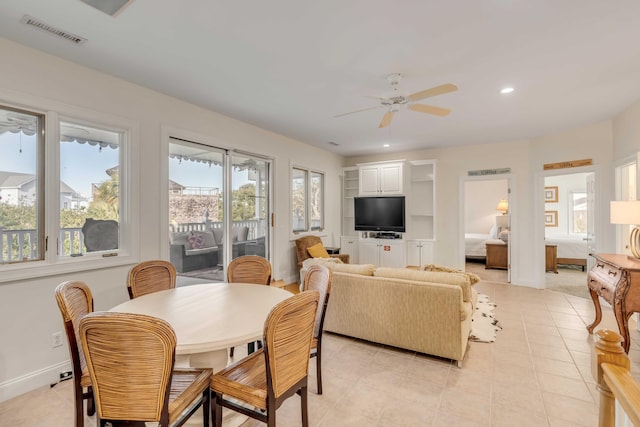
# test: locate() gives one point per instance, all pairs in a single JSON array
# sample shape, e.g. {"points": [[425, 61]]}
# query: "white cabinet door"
{"points": [[369, 181], [349, 245], [381, 179], [419, 252], [391, 179], [368, 252], [391, 253]]}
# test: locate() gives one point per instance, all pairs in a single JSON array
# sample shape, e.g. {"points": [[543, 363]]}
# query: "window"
{"points": [[21, 186], [82, 163], [307, 200], [578, 214]]}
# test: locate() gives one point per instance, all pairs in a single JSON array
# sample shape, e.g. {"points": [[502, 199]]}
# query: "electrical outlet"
{"points": [[56, 339]]}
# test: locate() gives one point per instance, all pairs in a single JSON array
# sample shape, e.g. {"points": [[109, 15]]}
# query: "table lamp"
{"points": [[627, 212], [503, 206]]}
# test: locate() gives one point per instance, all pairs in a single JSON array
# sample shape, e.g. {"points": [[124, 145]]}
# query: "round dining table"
{"points": [[208, 319]]}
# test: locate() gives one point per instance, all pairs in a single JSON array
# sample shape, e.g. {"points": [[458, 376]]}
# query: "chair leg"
{"points": [[319, 369], [206, 403], [91, 404], [303, 402], [231, 352], [251, 347], [216, 410], [77, 389]]}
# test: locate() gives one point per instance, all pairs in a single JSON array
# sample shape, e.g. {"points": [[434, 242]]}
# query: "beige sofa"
{"points": [[423, 311]]}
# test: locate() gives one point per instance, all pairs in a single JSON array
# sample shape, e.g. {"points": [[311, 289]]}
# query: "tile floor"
{"points": [[537, 373]]}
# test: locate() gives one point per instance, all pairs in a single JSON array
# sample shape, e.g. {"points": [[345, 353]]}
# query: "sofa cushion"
{"points": [[207, 239], [428, 276], [361, 269], [201, 251], [217, 235], [239, 234], [473, 278], [196, 241], [180, 238], [318, 251]]}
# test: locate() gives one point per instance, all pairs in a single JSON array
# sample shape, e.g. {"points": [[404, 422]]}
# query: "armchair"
{"points": [[303, 243]]}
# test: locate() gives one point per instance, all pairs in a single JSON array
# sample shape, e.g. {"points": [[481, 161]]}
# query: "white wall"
{"points": [[480, 201], [29, 313], [567, 184]]}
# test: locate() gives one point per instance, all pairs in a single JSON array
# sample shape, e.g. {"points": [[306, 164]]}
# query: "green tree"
{"points": [[243, 203], [105, 204]]}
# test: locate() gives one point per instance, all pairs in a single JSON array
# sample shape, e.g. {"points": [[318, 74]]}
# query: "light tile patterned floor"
{"points": [[536, 374]]}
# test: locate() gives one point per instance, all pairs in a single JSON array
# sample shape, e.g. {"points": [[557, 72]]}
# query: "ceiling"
{"points": [[290, 66]]}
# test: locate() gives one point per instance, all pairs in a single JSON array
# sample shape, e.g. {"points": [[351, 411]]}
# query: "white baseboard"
{"points": [[33, 380]]}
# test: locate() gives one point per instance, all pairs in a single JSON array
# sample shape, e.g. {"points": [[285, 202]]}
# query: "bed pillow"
{"points": [[493, 233]]}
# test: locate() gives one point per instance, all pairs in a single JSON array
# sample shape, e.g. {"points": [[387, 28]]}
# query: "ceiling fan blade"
{"points": [[437, 90], [429, 109], [358, 111], [386, 119]]}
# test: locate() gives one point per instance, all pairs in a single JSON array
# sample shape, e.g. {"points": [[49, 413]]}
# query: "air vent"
{"points": [[30, 20]]}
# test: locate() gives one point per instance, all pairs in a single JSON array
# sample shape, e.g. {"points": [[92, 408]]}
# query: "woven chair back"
{"points": [[130, 359], [249, 269], [302, 244], [318, 278], [288, 333], [75, 300], [151, 276]]}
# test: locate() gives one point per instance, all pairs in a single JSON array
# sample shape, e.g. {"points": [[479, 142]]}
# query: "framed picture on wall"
{"points": [[551, 218], [550, 194]]}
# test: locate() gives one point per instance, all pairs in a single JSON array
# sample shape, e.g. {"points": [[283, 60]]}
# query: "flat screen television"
{"points": [[379, 213]]}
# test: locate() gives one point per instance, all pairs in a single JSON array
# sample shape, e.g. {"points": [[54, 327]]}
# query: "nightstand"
{"points": [[496, 256]]}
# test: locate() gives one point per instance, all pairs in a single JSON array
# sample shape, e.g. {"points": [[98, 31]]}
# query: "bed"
{"points": [[572, 250], [474, 245]]}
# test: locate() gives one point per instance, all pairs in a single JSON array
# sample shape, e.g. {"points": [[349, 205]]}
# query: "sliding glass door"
{"points": [[218, 208]]}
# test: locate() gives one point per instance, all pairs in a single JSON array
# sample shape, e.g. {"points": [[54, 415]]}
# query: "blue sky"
{"points": [[83, 164]]}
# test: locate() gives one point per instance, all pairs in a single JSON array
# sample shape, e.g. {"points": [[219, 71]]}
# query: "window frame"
{"points": [[53, 263], [308, 230]]}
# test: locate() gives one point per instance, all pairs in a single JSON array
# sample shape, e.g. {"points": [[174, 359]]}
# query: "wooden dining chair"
{"points": [[249, 269], [130, 358], [318, 278], [150, 276], [265, 379], [75, 301]]}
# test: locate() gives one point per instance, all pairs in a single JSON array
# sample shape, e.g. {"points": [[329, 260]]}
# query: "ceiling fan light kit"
{"points": [[394, 103]]}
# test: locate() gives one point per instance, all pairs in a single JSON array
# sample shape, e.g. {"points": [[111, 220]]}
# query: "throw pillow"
{"points": [[196, 241], [318, 251]]}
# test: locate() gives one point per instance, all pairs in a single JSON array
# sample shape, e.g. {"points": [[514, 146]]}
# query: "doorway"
{"points": [[487, 227], [219, 206], [567, 216]]}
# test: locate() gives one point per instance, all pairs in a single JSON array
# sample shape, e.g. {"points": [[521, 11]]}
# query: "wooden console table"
{"points": [[615, 278]]}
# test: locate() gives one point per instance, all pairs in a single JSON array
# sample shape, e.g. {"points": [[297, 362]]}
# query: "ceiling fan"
{"points": [[396, 100]]}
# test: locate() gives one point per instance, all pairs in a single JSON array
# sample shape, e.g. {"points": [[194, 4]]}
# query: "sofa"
{"points": [[201, 249], [424, 311]]}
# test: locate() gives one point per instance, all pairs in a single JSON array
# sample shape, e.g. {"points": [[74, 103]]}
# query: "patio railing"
{"points": [[22, 245]]}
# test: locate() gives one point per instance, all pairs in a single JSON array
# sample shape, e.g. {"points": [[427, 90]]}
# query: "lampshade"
{"points": [[503, 206], [625, 212], [628, 212]]}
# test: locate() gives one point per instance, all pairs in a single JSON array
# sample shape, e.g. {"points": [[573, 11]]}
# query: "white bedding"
{"points": [[569, 246], [474, 244]]}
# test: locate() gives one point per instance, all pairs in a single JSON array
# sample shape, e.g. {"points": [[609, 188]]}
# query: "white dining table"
{"points": [[209, 318]]}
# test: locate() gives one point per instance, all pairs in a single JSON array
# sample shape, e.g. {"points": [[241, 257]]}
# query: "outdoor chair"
{"points": [[150, 276], [75, 301], [318, 278], [265, 379], [138, 383]]}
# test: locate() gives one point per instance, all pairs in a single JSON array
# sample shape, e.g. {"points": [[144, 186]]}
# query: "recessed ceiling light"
{"points": [[386, 145], [506, 90]]}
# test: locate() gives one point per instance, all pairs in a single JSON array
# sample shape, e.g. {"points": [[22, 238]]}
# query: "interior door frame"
{"points": [[513, 230], [538, 217]]}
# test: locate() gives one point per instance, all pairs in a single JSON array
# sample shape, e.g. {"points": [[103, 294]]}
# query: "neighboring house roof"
{"points": [[17, 180]]}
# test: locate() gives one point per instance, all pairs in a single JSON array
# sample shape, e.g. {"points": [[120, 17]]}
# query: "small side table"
{"points": [[496, 256], [332, 250]]}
